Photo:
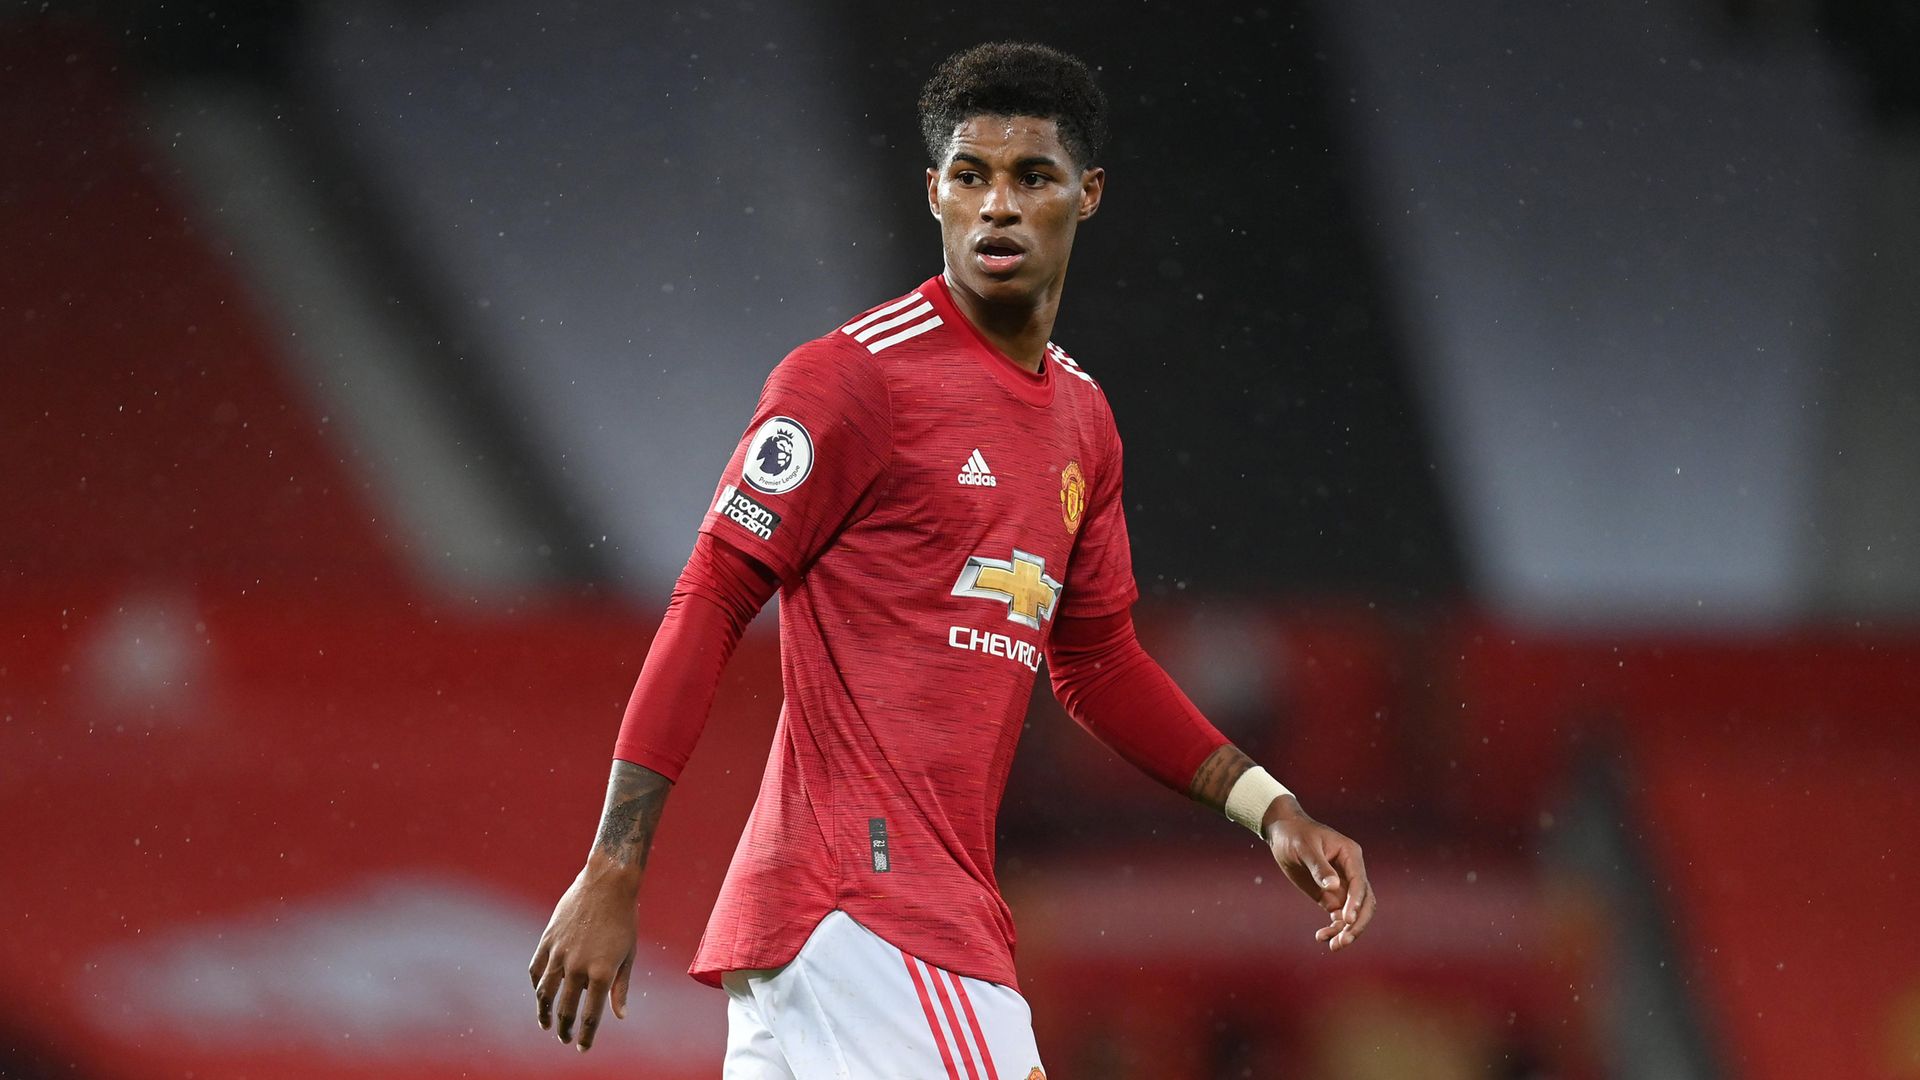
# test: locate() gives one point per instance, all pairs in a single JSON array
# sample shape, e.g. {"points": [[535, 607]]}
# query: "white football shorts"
{"points": [[852, 1007]]}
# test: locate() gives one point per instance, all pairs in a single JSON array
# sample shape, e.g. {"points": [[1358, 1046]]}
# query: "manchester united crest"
{"points": [[1073, 495], [1036, 1075]]}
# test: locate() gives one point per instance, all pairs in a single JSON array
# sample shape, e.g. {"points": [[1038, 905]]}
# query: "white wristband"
{"points": [[1251, 795]]}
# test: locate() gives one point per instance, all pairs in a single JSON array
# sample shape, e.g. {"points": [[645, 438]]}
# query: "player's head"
{"points": [[1013, 131]]}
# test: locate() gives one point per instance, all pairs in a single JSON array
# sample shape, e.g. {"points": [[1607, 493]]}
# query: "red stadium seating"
{"points": [[1772, 802], [151, 435]]}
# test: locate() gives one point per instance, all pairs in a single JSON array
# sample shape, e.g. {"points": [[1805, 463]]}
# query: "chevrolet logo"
{"points": [[1021, 583]]}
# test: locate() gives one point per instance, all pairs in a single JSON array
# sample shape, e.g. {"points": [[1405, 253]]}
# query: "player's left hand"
{"points": [[1326, 866]]}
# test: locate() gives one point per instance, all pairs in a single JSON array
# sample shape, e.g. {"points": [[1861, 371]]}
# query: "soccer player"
{"points": [[933, 488]]}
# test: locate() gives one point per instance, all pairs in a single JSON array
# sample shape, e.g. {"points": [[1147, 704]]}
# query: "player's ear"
{"points": [[933, 194], [1093, 184]]}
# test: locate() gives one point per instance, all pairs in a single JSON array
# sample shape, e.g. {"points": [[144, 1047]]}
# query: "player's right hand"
{"points": [[586, 951]]}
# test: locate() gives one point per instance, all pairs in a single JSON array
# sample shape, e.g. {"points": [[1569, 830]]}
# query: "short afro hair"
{"points": [[1015, 79]]}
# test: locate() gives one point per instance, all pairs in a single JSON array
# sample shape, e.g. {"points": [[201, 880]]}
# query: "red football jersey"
{"points": [[930, 509]]}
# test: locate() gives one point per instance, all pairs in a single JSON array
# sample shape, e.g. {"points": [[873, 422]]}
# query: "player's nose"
{"points": [[1000, 207]]}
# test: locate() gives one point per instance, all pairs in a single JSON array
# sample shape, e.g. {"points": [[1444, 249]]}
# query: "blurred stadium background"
{"points": [[1523, 413]]}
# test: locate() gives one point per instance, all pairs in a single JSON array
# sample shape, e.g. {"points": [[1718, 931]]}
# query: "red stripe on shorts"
{"points": [[933, 1022], [979, 1040], [953, 1020]]}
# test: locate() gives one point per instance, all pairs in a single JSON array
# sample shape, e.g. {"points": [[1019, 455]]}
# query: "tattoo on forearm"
{"points": [[635, 798], [1216, 776]]}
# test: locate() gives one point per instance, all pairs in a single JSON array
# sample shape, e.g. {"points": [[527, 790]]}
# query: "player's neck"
{"points": [[1020, 332]]}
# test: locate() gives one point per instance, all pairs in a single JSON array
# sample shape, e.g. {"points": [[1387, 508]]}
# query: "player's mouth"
{"points": [[999, 254]]}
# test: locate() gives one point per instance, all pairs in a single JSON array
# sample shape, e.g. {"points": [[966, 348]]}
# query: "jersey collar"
{"points": [[1033, 388]]}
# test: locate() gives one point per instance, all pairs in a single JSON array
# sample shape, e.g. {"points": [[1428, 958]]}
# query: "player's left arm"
{"points": [[1115, 690], [1321, 862], [1111, 687]]}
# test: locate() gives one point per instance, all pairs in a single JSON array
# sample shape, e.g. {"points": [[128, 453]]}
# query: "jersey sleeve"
{"points": [[1101, 580], [716, 597], [1111, 687], [811, 461]]}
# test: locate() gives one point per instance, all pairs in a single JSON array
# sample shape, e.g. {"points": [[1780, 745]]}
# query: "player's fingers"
{"points": [[1335, 924], [1332, 889], [620, 981], [1354, 870], [567, 1006], [1348, 933], [1342, 937], [1363, 912], [548, 989], [592, 1007], [539, 965], [1367, 907], [1356, 899]]}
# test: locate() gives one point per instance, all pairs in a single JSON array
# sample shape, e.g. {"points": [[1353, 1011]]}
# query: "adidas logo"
{"points": [[975, 472]]}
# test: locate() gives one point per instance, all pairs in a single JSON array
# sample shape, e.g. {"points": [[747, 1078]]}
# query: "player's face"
{"points": [[1009, 197]]}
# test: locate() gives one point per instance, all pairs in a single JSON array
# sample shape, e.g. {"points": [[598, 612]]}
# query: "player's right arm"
{"points": [[585, 954], [812, 460], [587, 947]]}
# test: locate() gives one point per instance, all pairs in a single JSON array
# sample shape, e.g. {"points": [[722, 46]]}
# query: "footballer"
{"points": [[934, 490]]}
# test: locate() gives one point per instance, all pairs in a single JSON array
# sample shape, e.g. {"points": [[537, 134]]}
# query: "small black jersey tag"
{"points": [[877, 835]]}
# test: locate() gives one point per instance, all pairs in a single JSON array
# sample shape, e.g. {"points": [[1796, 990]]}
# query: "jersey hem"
{"points": [[715, 976]]}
